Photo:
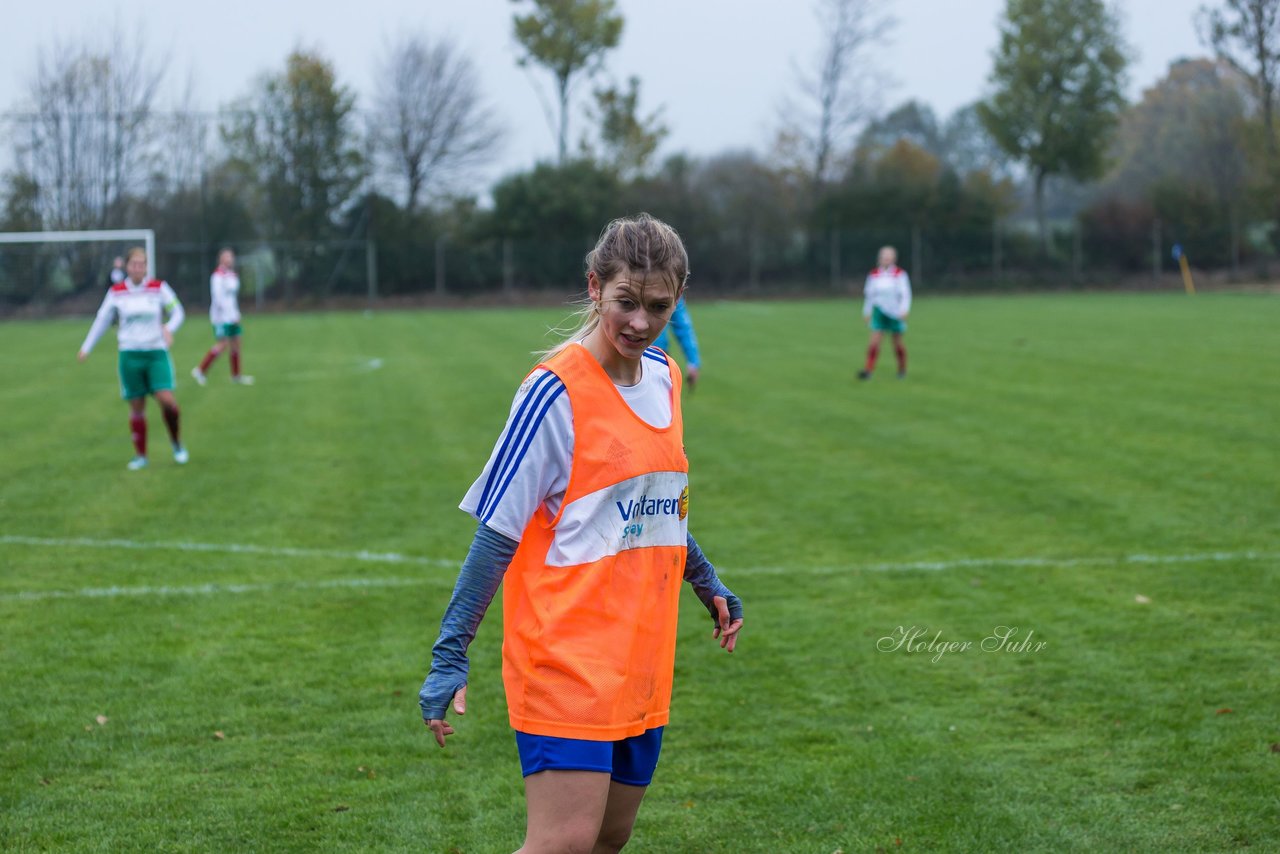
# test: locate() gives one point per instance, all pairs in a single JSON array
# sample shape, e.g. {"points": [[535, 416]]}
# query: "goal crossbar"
{"points": [[146, 235]]}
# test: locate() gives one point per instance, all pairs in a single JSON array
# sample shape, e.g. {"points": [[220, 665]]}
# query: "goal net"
{"points": [[42, 267]]}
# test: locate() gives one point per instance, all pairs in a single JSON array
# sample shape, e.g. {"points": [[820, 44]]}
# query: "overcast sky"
{"points": [[717, 67]]}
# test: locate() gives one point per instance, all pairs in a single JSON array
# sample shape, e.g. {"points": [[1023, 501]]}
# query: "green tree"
{"points": [[568, 38], [21, 203], [295, 140], [552, 214], [913, 121], [968, 147], [1058, 78], [1189, 128], [627, 139]]}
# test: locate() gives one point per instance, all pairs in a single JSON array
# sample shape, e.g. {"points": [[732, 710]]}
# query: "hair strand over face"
{"points": [[641, 245]]}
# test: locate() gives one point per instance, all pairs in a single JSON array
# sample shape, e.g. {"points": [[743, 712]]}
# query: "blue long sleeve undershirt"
{"points": [[478, 581]]}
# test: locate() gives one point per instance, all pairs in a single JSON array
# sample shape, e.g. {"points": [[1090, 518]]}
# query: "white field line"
{"points": [[225, 548], [209, 589], [363, 366], [1014, 562], [392, 557]]}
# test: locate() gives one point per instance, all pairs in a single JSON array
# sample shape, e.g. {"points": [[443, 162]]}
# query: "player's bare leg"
{"points": [[565, 811], [619, 817]]}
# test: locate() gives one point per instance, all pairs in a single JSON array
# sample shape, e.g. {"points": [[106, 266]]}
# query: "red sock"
{"points": [[171, 421], [901, 350], [138, 432], [207, 361], [872, 352], [235, 364]]}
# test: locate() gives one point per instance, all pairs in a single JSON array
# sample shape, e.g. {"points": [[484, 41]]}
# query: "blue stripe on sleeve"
{"points": [[528, 405], [656, 355], [528, 440]]}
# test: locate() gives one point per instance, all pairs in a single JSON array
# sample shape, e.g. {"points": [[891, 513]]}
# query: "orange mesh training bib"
{"points": [[590, 599]]}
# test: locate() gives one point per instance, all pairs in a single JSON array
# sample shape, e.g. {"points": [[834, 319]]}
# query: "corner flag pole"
{"points": [[1181, 258]]}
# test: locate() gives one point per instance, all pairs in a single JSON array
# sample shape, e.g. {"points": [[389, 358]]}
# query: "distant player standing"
{"points": [[886, 303], [681, 324], [117, 274], [145, 366], [224, 313]]}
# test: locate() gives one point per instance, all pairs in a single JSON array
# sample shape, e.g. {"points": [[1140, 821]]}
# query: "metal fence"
{"points": [[55, 276]]}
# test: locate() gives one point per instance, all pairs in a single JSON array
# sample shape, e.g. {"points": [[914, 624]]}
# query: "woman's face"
{"points": [[633, 310], [136, 267], [227, 259]]}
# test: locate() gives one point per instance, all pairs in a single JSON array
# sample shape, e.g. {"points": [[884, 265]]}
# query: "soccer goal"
{"points": [[41, 264]]}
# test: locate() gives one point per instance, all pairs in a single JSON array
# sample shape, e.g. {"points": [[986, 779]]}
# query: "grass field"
{"points": [[226, 656]]}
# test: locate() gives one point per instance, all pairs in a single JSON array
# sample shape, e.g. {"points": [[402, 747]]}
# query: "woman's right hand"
{"points": [[440, 727]]}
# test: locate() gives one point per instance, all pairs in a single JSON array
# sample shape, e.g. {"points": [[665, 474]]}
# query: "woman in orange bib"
{"points": [[583, 511]]}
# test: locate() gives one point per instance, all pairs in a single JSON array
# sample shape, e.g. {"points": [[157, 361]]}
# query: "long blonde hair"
{"points": [[641, 244]]}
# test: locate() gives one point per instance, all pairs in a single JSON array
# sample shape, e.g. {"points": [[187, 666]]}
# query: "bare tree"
{"points": [[1246, 35], [182, 138], [90, 128], [431, 126], [840, 90]]}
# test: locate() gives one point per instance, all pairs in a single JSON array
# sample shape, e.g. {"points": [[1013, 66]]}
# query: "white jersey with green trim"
{"points": [[224, 290], [888, 289], [140, 311]]}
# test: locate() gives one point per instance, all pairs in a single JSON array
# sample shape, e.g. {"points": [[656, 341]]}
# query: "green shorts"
{"points": [[226, 330], [881, 322], [144, 372]]}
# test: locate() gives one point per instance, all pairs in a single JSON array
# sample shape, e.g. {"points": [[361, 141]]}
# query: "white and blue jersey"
{"points": [[533, 457]]}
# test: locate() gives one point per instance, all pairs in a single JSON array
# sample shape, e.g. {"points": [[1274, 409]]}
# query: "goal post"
{"points": [[146, 235]]}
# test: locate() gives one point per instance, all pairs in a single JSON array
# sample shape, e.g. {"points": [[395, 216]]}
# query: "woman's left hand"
{"points": [[726, 629], [168, 336]]}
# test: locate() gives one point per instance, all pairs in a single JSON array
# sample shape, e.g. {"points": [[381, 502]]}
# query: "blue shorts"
{"points": [[630, 761]]}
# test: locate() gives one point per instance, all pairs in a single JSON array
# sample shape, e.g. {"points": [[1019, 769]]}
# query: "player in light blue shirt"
{"points": [[682, 325]]}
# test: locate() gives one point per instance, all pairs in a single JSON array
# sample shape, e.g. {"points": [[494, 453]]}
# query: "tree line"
{"points": [[1049, 167]]}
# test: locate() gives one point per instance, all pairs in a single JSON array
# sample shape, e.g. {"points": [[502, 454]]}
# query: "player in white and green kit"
{"points": [[885, 306], [224, 314], [139, 307]]}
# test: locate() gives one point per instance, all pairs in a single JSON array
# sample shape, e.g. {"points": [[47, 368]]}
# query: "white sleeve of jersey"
{"points": [[866, 297], [905, 300], [106, 314], [173, 306], [530, 463]]}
